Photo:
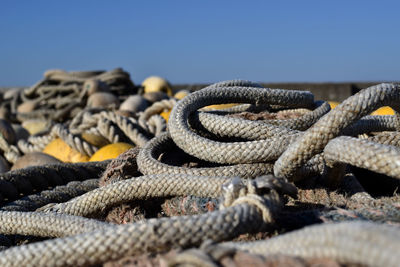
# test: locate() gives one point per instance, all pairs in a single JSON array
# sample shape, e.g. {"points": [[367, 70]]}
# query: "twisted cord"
{"points": [[107, 129], [154, 109], [25, 147], [156, 125], [129, 127], [11, 152], [34, 143], [73, 141], [40, 140], [83, 121]]}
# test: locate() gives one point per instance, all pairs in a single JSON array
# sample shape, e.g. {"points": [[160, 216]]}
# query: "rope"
{"points": [[15, 184], [365, 243], [73, 141], [60, 193], [331, 125], [128, 126], [204, 155], [112, 242]]}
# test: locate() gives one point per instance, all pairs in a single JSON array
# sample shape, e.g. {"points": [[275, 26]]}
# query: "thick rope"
{"points": [[348, 242], [15, 184], [152, 235]]}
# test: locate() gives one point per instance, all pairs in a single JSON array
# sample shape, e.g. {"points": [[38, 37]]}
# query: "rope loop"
{"points": [[264, 192]]}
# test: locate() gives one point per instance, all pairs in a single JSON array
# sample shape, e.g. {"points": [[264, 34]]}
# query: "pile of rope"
{"points": [[63, 102], [286, 181]]}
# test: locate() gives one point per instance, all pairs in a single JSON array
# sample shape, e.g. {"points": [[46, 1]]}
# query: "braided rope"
{"points": [[315, 138], [386, 138], [45, 225], [349, 242], [247, 206], [366, 154], [150, 186], [148, 163], [60, 193], [17, 183], [237, 152], [112, 241]]}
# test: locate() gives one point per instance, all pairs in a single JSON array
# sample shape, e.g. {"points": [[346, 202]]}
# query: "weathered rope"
{"points": [[238, 152], [315, 138], [129, 127], [73, 141], [386, 138], [348, 242], [34, 143], [11, 152], [15, 184], [156, 108], [45, 225], [153, 235], [148, 163], [220, 146], [366, 154], [107, 129], [145, 187], [60, 193]]}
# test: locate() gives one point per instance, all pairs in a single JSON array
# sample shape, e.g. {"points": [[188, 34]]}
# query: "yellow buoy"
{"points": [[383, 111], [333, 104], [165, 114], [60, 150], [156, 84], [110, 151]]}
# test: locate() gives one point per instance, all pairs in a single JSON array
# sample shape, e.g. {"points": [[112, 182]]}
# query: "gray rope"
{"points": [[238, 152], [247, 214], [45, 225], [130, 128], [60, 193], [348, 242], [315, 138], [365, 154], [74, 141], [148, 163], [15, 184]]}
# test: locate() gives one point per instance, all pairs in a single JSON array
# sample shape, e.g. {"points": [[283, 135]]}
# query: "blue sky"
{"points": [[203, 41]]}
